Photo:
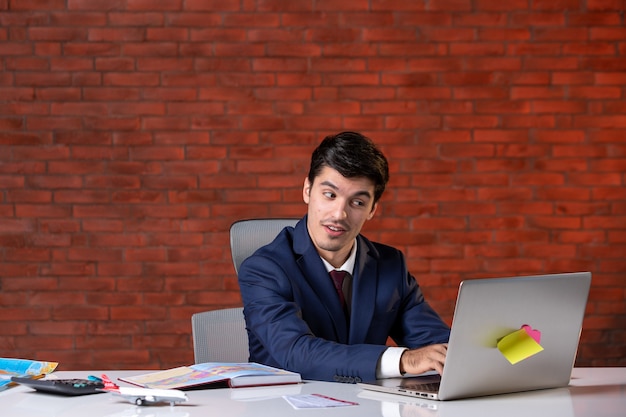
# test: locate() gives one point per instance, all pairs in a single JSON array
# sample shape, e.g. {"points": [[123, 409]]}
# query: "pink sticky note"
{"points": [[534, 333]]}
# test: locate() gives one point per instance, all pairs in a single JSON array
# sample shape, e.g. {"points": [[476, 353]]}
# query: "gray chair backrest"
{"points": [[246, 236], [220, 335]]}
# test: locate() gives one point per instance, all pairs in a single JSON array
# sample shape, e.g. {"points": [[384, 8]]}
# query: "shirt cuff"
{"points": [[389, 364]]}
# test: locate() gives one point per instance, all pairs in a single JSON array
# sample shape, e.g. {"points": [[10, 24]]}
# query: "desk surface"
{"points": [[593, 392]]}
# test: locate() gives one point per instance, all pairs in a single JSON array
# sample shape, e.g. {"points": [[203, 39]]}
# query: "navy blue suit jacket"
{"points": [[295, 320]]}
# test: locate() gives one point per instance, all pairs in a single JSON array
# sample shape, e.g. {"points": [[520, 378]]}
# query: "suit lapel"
{"points": [[364, 287], [313, 271]]}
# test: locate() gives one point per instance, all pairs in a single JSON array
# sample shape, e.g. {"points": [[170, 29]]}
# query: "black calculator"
{"points": [[62, 386]]}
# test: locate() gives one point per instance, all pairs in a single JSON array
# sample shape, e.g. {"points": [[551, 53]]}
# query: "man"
{"points": [[298, 319]]}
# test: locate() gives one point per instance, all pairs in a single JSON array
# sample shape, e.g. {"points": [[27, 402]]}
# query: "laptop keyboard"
{"points": [[429, 387]]}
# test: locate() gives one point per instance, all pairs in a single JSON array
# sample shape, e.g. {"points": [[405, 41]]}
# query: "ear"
{"points": [[369, 217], [306, 190]]}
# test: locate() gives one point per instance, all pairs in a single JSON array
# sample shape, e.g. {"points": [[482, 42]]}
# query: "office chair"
{"points": [[220, 335], [246, 236]]}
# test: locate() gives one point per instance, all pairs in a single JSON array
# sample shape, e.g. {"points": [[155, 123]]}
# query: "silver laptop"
{"points": [[488, 310]]}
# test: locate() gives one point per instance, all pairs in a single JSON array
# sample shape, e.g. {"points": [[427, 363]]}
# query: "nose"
{"points": [[339, 209]]}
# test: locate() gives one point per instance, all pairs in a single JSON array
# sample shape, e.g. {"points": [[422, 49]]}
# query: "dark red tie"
{"points": [[338, 277]]}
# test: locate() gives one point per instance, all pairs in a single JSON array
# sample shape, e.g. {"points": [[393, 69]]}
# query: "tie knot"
{"points": [[338, 277]]}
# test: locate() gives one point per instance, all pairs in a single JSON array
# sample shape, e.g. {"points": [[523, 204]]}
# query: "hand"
{"points": [[428, 358]]}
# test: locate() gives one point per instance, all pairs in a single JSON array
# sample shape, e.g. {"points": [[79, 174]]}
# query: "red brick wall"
{"points": [[134, 132]]}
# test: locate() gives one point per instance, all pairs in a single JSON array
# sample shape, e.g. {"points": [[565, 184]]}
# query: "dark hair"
{"points": [[352, 155]]}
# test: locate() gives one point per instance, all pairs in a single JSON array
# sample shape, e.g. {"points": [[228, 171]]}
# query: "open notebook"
{"points": [[490, 353]]}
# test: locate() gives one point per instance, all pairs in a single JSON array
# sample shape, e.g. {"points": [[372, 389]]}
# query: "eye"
{"points": [[329, 194], [358, 203]]}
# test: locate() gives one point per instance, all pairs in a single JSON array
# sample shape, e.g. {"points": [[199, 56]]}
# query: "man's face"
{"points": [[337, 209]]}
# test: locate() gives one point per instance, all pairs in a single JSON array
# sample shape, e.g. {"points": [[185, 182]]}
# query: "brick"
{"points": [[99, 49], [166, 153], [528, 122], [99, 153], [158, 64], [450, 5], [607, 33], [145, 19], [558, 106], [88, 5], [26, 64], [57, 34], [34, 5], [604, 222], [29, 196], [553, 63], [143, 5], [124, 358], [493, 5], [100, 211], [60, 342], [216, 298], [145, 254], [41, 210], [217, 5], [178, 182], [596, 179], [595, 92], [114, 35], [581, 237], [78, 19], [605, 5], [568, 78], [270, 20], [600, 121], [59, 94], [16, 279], [445, 265], [603, 64], [612, 165], [143, 79], [556, 5], [537, 93], [114, 64], [11, 123], [81, 196], [42, 79], [500, 136], [476, 19], [10, 329], [71, 64], [103, 342], [602, 18], [533, 49], [94, 254], [563, 165], [156, 211], [54, 123]]}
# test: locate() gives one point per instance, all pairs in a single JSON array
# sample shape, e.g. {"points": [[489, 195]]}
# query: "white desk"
{"points": [[593, 392]]}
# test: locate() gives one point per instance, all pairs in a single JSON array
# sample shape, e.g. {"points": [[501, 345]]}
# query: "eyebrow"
{"points": [[358, 194]]}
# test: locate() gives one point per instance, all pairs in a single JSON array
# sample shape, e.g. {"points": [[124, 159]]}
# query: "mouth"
{"points": [[335, 230]]}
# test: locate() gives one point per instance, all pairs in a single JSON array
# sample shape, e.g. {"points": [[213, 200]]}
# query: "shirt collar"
{"points": [[348, 265]]}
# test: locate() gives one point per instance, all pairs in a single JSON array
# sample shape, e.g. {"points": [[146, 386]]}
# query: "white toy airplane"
{"points": [[144, 396]]}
